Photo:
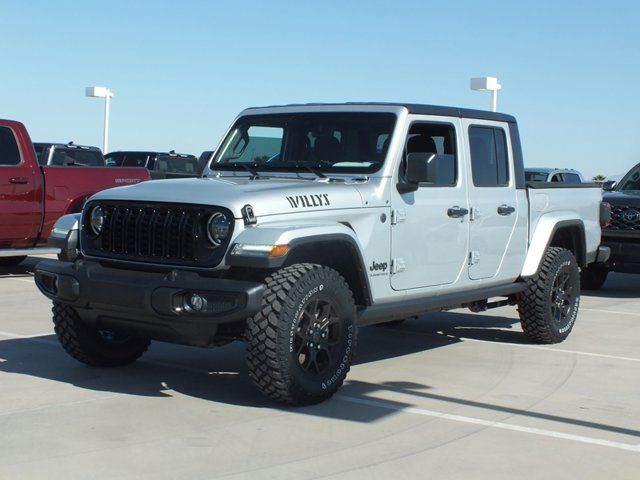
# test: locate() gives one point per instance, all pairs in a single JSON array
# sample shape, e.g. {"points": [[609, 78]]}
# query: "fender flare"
{"points": [[296, 237], [546, 228]]}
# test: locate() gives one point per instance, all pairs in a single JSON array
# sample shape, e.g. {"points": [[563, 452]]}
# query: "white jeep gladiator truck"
{"points": [[313, 220]]}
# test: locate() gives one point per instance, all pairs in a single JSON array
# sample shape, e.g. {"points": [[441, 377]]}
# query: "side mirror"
{"points": [[609, 185], [427, 168], [420, 168]]}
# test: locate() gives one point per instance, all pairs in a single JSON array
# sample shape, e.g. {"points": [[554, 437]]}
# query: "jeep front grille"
{"points": [[159, 233]]}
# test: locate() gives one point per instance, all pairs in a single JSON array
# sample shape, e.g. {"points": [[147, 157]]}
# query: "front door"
{"points": [[430, 233], [20, 195]]}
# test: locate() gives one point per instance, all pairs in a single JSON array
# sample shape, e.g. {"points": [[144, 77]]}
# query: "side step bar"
{"points": [[407, 308]]}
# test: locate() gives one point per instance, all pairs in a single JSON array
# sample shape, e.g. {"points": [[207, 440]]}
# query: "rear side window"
{"points": [[571, 178], [489, 159], [135, 160], [170, 164], [9, 153], [76, 157]]}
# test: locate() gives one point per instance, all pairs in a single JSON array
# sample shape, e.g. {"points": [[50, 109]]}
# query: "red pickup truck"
{"points": [[33, 197]]}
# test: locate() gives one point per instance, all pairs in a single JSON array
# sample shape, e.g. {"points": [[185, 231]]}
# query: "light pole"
{"points": [[487, 84], [102, 92]]}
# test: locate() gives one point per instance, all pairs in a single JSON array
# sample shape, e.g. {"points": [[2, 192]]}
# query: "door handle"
{"points": [[505, 210], [457, 212], [19, 180]]}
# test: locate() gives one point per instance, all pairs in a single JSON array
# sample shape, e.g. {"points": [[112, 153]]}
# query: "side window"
{"points": [[571, 178], [435, 138], [489, 159], [9, 153], [556, 178]]}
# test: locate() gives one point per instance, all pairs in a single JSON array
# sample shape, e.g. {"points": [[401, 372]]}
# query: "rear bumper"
{"points": [[148, 304]]}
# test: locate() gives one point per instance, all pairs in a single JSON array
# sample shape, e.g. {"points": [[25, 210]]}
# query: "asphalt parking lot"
{"points": [[451, 395]]}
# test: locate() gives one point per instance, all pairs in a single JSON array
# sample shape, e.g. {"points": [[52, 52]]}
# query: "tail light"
{"points": [[605, 214]]}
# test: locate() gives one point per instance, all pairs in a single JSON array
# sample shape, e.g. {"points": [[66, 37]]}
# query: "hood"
{"points": [[267, 196], [629, 198]]}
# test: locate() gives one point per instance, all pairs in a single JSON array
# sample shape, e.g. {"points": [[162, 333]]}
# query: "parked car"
{"points": [[622, 234], [34, 196], [204, 159], [160, 165], [314, 220], [69, 154], [563, 175]]}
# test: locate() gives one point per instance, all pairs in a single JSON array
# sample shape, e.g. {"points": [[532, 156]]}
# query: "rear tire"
{"points": [[549, 306], [301, 343], [91, 346], [11, 261], [593, 277]]}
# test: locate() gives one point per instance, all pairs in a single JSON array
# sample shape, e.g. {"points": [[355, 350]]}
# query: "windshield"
{"points": [[535, 176], [77, 157], [631, 180], [324, 142]]}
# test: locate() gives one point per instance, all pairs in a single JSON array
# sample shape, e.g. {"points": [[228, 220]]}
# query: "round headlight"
{"points": [[96, 220], [218, 228]]}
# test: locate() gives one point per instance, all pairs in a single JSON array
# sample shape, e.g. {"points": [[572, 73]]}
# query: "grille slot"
{"points": [[620, 222], [155, 233]]}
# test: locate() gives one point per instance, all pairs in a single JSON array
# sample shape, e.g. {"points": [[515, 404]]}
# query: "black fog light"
{"points": [[194, 303]]}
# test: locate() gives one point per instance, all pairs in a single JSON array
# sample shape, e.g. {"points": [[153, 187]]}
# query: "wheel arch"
{"points": [[554, 231], [335, 246]]}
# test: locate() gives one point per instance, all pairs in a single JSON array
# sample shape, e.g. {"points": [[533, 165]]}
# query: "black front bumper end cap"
{"points": [[111, 292], [603, 254]]}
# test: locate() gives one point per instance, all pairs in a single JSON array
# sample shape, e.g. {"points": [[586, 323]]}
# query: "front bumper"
{"points": [[625, 252], [148, 304]]}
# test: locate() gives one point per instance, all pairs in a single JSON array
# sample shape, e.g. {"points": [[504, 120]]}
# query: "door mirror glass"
{"points": [[430, 168], [609, 185]]}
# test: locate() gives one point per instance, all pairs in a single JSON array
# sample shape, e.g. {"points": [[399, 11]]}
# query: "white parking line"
{"points": [[20, 279], [488, 423], [34, 338], [549, 349], [614, 312]]}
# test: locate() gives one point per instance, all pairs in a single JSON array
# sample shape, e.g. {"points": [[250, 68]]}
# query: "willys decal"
{"points": [[307, 201]]}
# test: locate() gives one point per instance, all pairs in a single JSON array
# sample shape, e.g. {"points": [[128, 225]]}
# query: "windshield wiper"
{"points": [[315, 171]]}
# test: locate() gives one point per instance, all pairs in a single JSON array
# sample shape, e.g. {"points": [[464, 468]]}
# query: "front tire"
{"points": [[97, 348], [549, 306], [301, 343], [593, 277]]}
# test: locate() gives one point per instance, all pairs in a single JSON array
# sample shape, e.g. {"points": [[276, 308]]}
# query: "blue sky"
{"points": [[182, 70]]}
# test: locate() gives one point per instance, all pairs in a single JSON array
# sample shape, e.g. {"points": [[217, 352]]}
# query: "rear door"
{"points": [[492, 197], [20, 194]]}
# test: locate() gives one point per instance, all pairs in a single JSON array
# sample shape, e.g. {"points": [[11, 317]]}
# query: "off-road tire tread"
{"points": [[262, 337], [533, 303], [70, 332]]}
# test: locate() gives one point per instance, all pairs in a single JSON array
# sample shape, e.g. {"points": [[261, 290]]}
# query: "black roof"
{"points": [[419, 109], [65, 145], [149, 152]]}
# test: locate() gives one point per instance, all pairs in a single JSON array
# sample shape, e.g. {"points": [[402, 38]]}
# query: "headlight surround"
{"points": [[96, 220], [218, 228]]}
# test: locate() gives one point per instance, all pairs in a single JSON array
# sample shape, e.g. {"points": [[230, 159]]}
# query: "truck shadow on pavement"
{"points": [[618, 285], [23, 269], [219, 375]]}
